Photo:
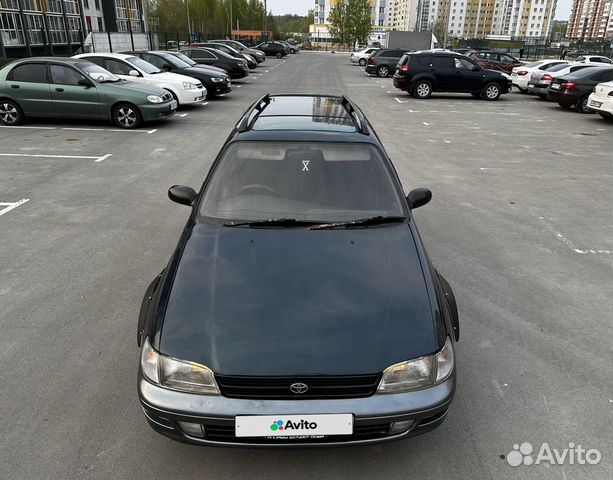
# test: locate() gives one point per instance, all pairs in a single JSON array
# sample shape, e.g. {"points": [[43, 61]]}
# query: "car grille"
{"points": [[225, 433], [167, 97], [329, 386]]}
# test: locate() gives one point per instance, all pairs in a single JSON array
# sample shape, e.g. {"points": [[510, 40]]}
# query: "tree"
{"points": [[360, 24], [351, 22], [438, 29], [339, 18]]}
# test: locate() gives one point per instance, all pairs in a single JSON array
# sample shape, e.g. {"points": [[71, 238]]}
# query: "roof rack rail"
{"points": [[356, 113], [256, 108]]}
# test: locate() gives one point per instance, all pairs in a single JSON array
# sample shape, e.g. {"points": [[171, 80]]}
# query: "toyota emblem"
{"points": [[298, 387]]}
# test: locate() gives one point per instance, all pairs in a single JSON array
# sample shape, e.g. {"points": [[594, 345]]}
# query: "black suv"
{"points": [[273, 49], [422, 73], [383, 62], [300, 306]]}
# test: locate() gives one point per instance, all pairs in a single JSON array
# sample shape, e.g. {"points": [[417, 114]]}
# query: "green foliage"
{"points": [[438, 28], [207, 16], [294, 23], [351, 22]]}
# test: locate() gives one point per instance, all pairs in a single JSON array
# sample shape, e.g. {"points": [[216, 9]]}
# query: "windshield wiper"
{"points": [[378, 220], [273, 222]]}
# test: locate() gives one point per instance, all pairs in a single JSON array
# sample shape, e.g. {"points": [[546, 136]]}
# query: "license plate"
{"points": [[595, 104], [555, 86], [293, 425]]}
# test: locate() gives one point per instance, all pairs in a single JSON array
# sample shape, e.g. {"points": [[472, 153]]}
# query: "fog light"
{"points": [[401, 427], [192, 429]]}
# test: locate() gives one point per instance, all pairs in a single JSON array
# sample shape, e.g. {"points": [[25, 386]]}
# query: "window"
{"points": [[442, 62], [100, 25], [35, 27], [29, 72], [507, 59], [605, 76], [63, 75], [118, 67], [57, 33], [463, 64], [9, 4], [10, 29], [261, 180], [97, 4], [72, 7], [201, 54], [156, 61], [74, 29], [393, 54]]}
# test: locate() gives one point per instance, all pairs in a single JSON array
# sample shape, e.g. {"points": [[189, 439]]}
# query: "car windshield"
{"points": [[144, 66], [184, 58], [222, 54], [98, 73], [319, 182], [557, 68], [533, 64], [177, 62]]}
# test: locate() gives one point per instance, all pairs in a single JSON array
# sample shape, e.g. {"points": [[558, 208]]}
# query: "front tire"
{"points": [[362, 62], [126, 115], [422, 89], [491, 92], [383, 71], [11, 113]]}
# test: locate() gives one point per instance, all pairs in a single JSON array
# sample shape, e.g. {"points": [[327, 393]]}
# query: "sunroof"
{"points": [[305, 105], [297, 122]]}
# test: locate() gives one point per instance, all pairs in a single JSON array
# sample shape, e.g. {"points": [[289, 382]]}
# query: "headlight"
{"points": [[154, 99], [189, 86], [418, 373], [216, 80], [177, 374]]}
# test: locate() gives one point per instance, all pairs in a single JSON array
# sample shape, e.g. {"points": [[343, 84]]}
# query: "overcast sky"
{"points": [[301, 7]]}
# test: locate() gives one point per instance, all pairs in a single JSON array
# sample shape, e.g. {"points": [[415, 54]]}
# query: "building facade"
{"points": [[51, 27], [591, 20], [31, 27], [319, 30]]}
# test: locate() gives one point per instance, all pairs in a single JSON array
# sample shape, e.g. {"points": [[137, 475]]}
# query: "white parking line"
{"points": [[183, 115], [44, 155], [78, 129], [400, 101], [11, 206], [17, 126]]}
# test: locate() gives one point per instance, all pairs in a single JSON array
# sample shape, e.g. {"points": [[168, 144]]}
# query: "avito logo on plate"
{"points": [[289, 425]]}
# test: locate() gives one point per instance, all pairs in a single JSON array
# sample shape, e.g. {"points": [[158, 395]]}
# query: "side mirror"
{"points": [[84, 82], [134, 73], [419, 197], [182, 195]]}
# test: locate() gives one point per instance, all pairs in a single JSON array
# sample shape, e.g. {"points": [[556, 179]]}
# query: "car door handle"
{"points": [[14, 86], [59, 89]]}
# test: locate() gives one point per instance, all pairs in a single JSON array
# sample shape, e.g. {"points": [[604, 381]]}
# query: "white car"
{"points": [[520, 76], [186, 90], [601, 100], [361, 57], [594, 59]]}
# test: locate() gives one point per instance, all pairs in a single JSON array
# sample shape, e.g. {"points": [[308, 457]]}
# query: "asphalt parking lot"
{"points": [[520, 224]]}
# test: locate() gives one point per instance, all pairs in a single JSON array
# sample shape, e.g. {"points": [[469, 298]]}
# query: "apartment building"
{"points": [[482, 18], [30, 27], [591, 20]]}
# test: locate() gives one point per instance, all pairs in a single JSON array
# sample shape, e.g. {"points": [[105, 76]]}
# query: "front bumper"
{"points": [[373, 416], [219, 88], [151, 112], [606, 104], [195, 95]]}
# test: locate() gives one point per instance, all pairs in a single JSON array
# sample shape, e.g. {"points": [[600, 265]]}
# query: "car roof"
{"points": [[120, 56], [48, 59], [305, 117]]}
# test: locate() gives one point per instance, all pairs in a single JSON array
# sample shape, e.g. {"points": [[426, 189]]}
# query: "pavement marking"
{"points": [[44, 155], [426, 124], [400, 101], [11, 206], [103, 158], [238, 86], [183, 115], [564, 239], [17, 126], [152, 131]]}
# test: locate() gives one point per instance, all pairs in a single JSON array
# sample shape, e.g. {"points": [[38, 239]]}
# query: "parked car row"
{"points": [[128, 88], [584, 84]]}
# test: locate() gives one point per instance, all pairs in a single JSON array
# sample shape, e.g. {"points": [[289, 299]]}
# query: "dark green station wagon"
{"points": [[77, 88]]}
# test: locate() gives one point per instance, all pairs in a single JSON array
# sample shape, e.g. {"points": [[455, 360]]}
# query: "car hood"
{"points": [[174, 78], [298, 301], [210, 68], [121, 87]]}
